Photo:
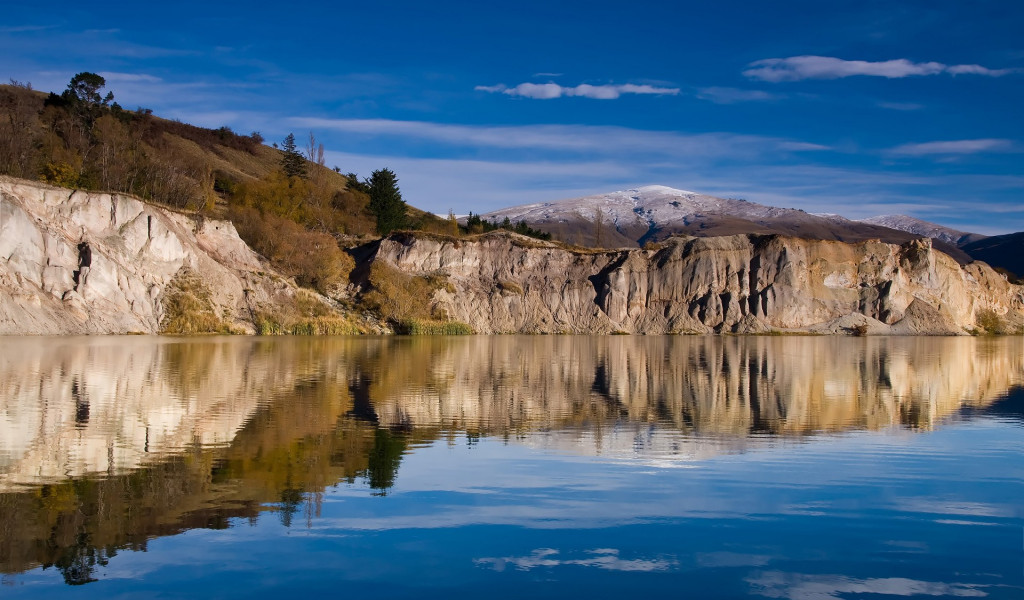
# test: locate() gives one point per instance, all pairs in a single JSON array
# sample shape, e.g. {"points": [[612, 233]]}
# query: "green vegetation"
{"points": [[386, 201], [293, 164], [476, 224], [430, 327]]}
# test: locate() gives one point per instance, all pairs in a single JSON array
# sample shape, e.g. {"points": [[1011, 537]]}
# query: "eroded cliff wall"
{"points": [[137, 250], [746, 283]]}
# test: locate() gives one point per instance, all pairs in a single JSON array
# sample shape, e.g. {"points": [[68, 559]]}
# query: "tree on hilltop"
{"points": [[292, 163], [386, 201], [84, 88]]}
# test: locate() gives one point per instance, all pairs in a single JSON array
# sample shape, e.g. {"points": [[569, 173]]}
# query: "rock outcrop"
{"points": [[137, 252], [497, 283], [503, 283]]}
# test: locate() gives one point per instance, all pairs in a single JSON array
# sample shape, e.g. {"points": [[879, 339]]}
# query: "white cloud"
{"points": [[797, 68], [796, 586], [955, 147], [602, 558], [548, 91], [979, 70]]}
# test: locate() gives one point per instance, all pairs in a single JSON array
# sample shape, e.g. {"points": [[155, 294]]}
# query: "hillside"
{"points": [[285, 202], [653, 213], [1002, 251]]}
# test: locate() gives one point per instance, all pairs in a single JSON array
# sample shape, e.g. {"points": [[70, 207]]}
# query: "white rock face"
{"points": [[504, 283], [137, 249]]}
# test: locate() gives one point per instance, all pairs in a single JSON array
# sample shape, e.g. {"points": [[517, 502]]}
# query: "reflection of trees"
{"points": [[78, 562], [316, 412], [385, 456]]}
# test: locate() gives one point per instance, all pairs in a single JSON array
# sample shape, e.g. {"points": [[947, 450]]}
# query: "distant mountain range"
{"points": [[652, 213], [924, 228]]}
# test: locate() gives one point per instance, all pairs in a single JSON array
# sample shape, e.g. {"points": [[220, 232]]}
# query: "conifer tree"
{"points": [[386, 201], [292, 163]]}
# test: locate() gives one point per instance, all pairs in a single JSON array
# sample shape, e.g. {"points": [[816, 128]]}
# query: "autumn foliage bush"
{"points": [[312, 257]]}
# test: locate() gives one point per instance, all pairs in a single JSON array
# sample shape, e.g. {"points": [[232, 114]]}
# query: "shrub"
{"points": [[60, 174], [401, 298], [312, 258], [989, 322], [188, 308], [431, 327]]}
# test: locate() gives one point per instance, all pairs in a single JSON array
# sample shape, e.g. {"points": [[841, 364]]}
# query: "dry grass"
{"points": [[398, 297], [432, 327], [510, 287], [308, 314], [991, 323], [188, 309]]}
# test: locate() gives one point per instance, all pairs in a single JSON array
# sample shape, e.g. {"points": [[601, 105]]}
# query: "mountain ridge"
{"points": [[652, 213]]}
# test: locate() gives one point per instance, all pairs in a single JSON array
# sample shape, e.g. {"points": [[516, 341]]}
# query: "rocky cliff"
{"points": [[502, 282], [143, 257], [139, 253]]}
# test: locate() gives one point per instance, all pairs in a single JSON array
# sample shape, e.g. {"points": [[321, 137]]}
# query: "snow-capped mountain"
{"points": [[924, 228], [654, 212]]}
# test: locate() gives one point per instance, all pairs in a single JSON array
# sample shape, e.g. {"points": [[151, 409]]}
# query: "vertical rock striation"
{"points": [[743, 284]]}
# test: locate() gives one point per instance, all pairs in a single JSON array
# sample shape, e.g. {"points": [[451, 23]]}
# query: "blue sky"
{"points": [[857, 108]]}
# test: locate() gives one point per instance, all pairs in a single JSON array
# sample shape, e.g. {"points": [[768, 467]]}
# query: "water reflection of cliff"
{"points": [[705, 385], [106, 443]]}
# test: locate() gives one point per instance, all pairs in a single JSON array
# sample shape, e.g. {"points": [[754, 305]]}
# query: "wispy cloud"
{"points": [[114, 77], [955, 147], [728, 95], [25, 28], [602, 558], [978, 70], [900, 105], [797, 68], [588, 139], [797, 586], [548, 91]]}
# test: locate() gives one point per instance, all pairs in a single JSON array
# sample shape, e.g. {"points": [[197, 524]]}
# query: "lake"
{"points": [[808, 468]]}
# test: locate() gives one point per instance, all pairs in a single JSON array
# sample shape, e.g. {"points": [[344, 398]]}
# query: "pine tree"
{"points": [[292, 163], [386, 201]]}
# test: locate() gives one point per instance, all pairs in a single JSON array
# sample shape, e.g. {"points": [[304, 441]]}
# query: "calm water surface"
{"points": [[689, 467]]}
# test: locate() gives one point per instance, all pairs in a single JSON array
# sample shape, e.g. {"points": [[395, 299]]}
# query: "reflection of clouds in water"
{"points": [[602, 558], [971, 523], [953, 507], [797, 586]]}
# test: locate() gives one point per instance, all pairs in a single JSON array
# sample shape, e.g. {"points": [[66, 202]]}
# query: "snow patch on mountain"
{"points": [[924, 228]]}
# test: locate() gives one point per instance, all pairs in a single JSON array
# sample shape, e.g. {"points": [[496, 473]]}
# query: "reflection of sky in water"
{"points": [[836, 517], [563, 507]]}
